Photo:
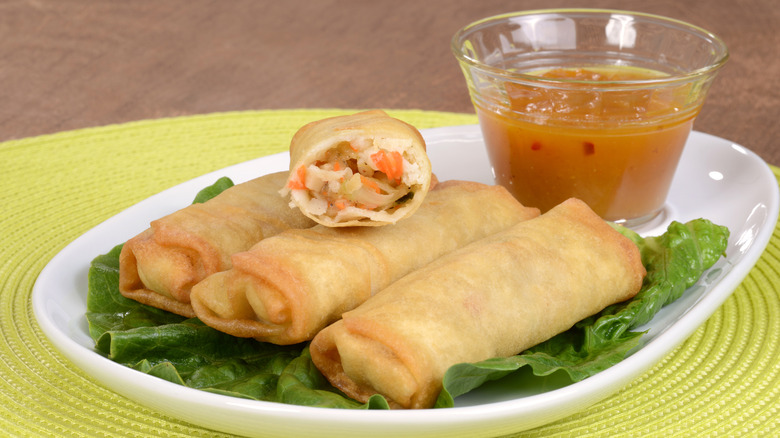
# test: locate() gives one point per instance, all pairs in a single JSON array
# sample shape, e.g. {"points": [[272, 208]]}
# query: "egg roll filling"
{"points": [[354, 176]]}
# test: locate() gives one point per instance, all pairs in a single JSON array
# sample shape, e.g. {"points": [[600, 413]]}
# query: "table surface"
{"points": [[70, 64]]}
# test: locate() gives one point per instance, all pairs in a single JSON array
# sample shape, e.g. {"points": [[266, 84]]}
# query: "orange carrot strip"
{"points": [[340, 204], [337, 167], [399, 166], [371, 184], [391, 164], [299, 183]]}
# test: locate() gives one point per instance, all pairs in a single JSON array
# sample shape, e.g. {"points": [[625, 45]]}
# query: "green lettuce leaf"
{"points": [[301, 383], [187, 352], [213, 190], [108, 310], [674, 262]]}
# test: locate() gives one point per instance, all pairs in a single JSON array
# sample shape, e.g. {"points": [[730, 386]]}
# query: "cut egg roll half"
{"points": [[364, 169], [493, 298], [159, 266], [288, 287]]}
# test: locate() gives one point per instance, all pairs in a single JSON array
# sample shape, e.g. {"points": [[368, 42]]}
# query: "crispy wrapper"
{"points": [[364, 169], [493, 298], [288, 287], [159, 266]]}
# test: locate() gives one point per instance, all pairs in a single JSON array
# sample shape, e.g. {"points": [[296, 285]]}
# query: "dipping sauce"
{"points": [[616, 148]]}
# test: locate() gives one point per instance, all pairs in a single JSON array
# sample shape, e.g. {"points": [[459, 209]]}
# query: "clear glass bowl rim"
{"points": [[693, 75]]}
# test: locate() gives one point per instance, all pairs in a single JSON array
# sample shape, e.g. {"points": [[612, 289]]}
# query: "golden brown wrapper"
{"points": [[343, 138], [493, 298], [159, 266], [288, 287]]}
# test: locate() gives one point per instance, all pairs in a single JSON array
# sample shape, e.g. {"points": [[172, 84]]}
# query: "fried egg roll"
{"points": [[493, 298], [288, 287], [159, 266], [364, 169]]}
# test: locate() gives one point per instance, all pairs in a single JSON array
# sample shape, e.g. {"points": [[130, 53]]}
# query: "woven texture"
{"points": [[723, 381]]}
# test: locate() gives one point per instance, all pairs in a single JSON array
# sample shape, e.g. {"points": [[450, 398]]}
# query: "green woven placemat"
{"points": [[723, 381]]}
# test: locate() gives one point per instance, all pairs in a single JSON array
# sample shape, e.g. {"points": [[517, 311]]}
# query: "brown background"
{"points": [[67, 64]]}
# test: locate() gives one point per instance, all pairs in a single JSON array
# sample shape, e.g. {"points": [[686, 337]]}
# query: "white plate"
{"points": [[716, 179]]}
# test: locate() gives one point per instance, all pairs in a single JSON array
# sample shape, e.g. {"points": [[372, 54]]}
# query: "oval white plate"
{"points": [[716, 179]]}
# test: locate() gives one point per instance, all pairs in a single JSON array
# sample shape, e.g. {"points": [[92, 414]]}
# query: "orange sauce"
{"points": [[617, 151]]}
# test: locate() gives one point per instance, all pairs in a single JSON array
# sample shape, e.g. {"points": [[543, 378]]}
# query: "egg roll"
{"points": [[364, 169], [288, 287], [493, 298], [160, 265]]}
